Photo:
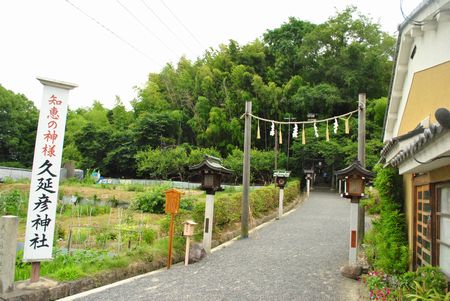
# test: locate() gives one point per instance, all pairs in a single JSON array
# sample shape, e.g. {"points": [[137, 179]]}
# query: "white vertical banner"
{"points": [[44, 186]]}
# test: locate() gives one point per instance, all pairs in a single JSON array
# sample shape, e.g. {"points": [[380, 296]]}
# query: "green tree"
{"points": [[350, 51], [18, 123], [283, 47]]}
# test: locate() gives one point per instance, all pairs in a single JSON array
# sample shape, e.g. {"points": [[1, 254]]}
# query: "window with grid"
{"points": [[443, 220], [423, 226]]}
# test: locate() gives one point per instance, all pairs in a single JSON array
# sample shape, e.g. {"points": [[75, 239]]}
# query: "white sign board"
{"points": [[45, 174]]}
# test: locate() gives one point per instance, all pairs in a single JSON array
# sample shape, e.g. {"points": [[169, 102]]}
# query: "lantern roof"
{"points": [[281, 173], [211, 163], [190, 222], [355, 169]]}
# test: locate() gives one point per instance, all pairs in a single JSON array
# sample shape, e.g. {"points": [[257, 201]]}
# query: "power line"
{"points": [[112, 32], [182, 24], [145, 26], [165, 24], [407, 17]]}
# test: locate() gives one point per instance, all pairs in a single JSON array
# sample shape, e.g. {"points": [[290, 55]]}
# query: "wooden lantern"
{"points": [[355, 177]]}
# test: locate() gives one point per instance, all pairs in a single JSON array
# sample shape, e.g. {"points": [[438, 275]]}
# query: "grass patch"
{"points": [[65, 267]]}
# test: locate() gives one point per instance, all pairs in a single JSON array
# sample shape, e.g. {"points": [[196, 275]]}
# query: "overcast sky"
{"points": [[131, 38]]}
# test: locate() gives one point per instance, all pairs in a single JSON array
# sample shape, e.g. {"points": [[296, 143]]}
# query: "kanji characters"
{"points": [[54, 100], [50, 136], [42, 203], [42, 242], [54, 113], [43, 222], [45, 184], [49, 151], [47, 166]]}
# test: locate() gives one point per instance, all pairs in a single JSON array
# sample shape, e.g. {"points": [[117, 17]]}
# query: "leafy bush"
{"points": [[389, 184], [376, 282], [428, 295], [13, 203], [427, 283], [179, 220], [149, 235], [187, 203], [103, 236], [425, 279], [386, 244], [152, 200]]}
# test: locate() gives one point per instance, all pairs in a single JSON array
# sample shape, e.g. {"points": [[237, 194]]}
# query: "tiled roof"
{"points": [[420, 141], [392, 142]]}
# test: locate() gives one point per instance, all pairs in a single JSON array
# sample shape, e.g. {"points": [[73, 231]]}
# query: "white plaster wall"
{"points": [[433, 48]]}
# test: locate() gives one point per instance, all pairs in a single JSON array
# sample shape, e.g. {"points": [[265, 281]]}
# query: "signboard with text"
{"points": [[46, 171]]}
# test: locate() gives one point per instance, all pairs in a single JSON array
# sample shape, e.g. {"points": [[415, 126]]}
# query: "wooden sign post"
{"points": [[172, 206], [41, 217]]}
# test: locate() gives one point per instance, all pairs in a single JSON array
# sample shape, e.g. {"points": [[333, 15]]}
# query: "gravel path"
{"points": [[295, 258]]}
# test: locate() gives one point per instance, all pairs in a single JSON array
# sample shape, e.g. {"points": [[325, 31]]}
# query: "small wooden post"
{"points": [[69, 242], [35, 271], [186, 256], [171, 230]]}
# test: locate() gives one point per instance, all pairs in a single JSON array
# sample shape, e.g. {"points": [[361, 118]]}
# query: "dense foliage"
{"points": [[18, 122], [292, 70], [427, 283], [386, 243]]}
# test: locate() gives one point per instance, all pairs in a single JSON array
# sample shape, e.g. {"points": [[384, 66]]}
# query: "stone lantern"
{"points": [[354, 177], [281, 177], [211, 171]]}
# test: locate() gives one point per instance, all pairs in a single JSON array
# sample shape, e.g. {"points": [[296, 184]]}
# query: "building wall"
{"points": [[429, 91], [432, 48], [440, 175]]}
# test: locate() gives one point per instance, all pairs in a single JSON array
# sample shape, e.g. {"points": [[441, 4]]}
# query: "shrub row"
{"points": [[227, 208]]}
